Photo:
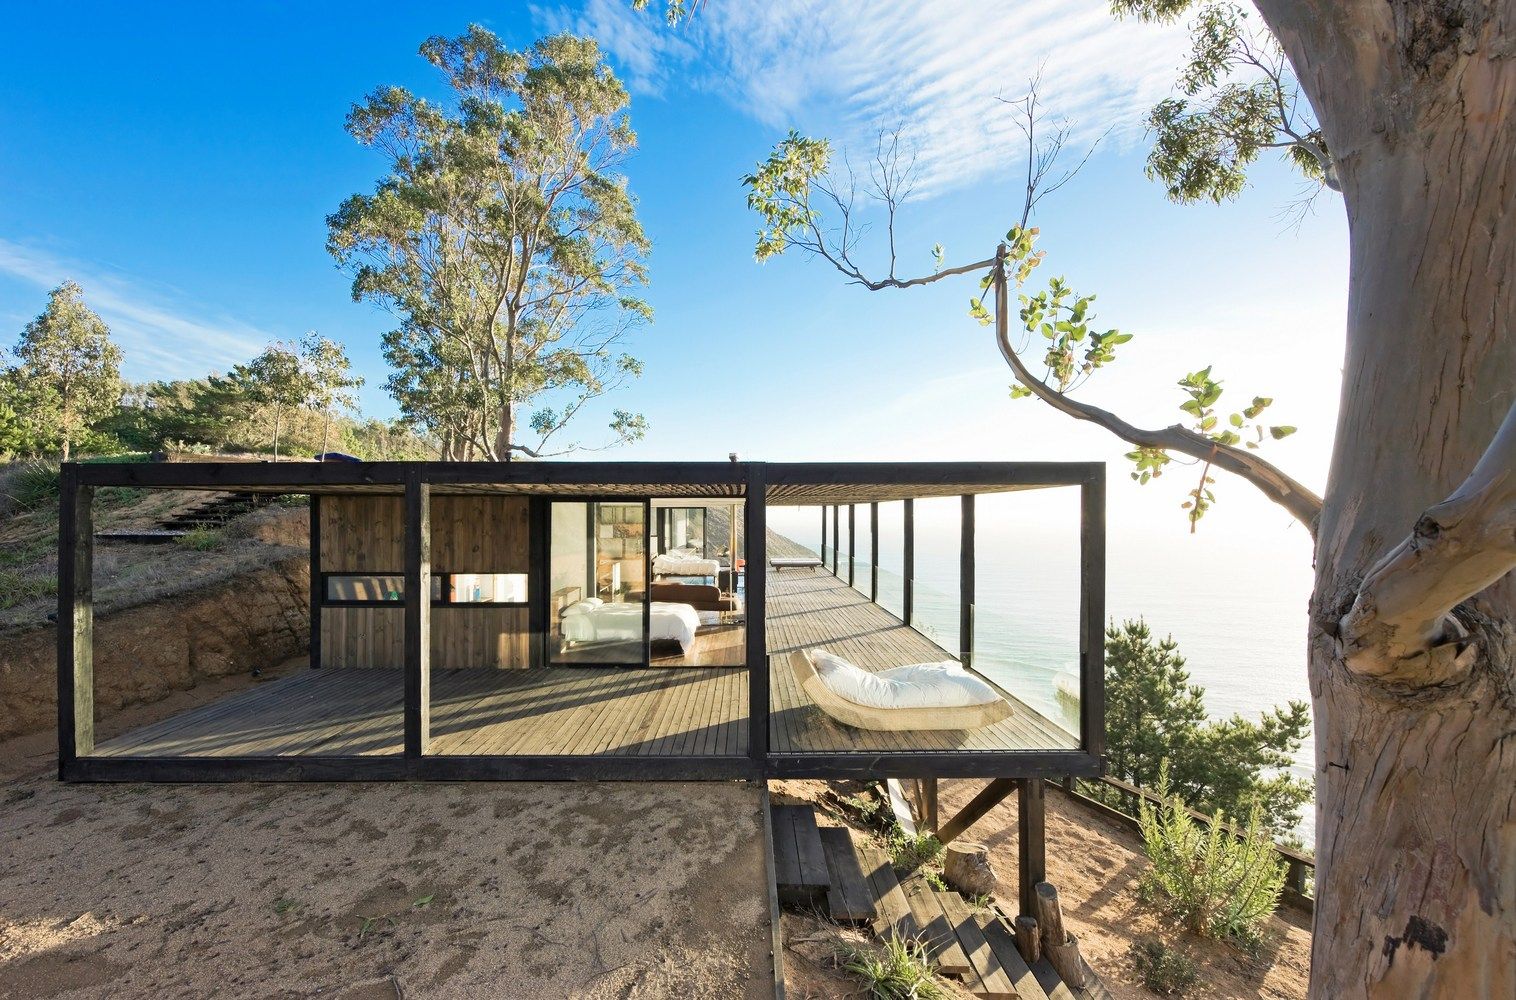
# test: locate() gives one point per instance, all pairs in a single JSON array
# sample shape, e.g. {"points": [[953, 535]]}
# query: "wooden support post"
{"points": [[929, 802], [874, 552], [76, 619], [852, 541], [988, 798], [755, 528], [1092, 614], [966, 584], [822, 552], [1028, 939], [1031, 843], [908, 601], [1059, 947], [836, 535], [538, 581], [418, 614], [318, 587]]}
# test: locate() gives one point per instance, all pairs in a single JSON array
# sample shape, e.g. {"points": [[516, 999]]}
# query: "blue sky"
{"points": [[179, 161]]}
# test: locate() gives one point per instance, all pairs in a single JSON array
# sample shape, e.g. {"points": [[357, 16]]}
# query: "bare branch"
{"points": [[1400, 627]]}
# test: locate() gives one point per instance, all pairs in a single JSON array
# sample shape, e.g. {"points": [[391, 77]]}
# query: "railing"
{"points": [[1300, 869]]}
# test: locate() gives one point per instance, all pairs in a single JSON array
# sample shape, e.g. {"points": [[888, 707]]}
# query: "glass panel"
{"points": [[486, 588], [375, 587], [598, 586]]}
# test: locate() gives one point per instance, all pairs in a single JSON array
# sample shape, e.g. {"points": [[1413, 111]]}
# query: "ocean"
{"points": [[1236, 607]]}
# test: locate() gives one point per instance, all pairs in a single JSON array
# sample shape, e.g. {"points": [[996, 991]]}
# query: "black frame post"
{"points": [[538, 582], [318, 590], [1031, 841], [908, 598], [836, 535], [966, 583], [76, 619], [822, 552], [1092, 613], [418, 613], [874, 552], [755, 528], [852, 540]]}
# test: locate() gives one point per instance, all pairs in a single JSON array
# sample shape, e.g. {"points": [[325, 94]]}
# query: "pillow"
{"points": [[919, 685], [593, 602], [581, 607]]}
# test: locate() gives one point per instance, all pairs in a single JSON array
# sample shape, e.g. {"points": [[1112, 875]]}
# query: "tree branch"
{"points": [[1302, 504], [1400, 627]]}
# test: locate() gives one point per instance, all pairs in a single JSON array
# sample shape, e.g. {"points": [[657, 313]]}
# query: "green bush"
{"points": [[200, 539], [18, 588], [908, 853], [1216, 880], [1163, 970], [897, 970]]}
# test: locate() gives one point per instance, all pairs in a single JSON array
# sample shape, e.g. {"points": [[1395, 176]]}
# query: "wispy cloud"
{"points": [[158, 330], [844, 69]]}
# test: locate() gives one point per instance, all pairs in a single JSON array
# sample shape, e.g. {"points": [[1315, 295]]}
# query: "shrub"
{"points": [[1216, 880], [1163, 970], [34, 484], [19, 588], [897, 970], [909, 853], [200, 539]]}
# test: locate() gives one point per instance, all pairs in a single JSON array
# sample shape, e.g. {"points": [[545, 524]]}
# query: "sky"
{"points": [[179, 161]]}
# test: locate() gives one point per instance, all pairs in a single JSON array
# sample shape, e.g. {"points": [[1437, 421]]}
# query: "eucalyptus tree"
{"points": [[67, 369], [1412, 632], [329, 380], [505, 242], [277, 380]]}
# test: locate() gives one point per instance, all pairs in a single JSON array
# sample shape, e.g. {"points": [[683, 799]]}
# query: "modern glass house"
{"points": [[577, 620]]}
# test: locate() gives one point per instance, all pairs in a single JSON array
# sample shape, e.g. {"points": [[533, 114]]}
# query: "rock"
{"points": [[966, 867]]}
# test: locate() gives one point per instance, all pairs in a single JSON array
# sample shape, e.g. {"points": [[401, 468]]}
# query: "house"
{"points": [[581, 620]]}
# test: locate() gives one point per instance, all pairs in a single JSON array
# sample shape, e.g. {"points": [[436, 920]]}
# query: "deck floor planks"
{"points": [[658, 711]]}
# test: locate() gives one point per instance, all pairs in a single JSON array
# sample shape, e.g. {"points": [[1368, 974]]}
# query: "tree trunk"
{"points": [[65, 447], [276, 434], [326, 426], [1416, 772]]}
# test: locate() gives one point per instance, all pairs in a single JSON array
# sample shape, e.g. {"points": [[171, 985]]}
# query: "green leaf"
{"points": [[1236, 419], [1282, 431]]}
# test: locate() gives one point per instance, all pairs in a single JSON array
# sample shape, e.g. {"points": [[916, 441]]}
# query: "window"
{"points": [[447, 588]]}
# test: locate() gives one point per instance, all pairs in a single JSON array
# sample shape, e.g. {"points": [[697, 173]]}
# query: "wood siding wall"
{"points": [[365, 534]]}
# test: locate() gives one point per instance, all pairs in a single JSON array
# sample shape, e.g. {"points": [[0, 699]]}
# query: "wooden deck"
{"points": [[655, 711], [807, 609]]}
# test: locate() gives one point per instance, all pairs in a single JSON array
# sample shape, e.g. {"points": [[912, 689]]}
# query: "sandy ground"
{"points": [[386, 890], [1096, 865]]}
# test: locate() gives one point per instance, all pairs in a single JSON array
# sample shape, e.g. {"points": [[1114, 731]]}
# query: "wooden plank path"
{"points": [[807, 610], [660, 711]]}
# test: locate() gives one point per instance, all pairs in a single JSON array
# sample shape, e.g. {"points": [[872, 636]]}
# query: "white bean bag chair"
{"points": [[920, 696]]}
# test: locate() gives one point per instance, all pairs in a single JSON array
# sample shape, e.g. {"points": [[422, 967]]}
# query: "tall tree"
{"points": [[1156, 714], [504, 240], [1412, 656], [275, 379], [330, 379], [66, 360]]}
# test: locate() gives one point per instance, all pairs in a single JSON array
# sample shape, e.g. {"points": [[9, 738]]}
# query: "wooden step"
{"points": [[799, 862], [1052, 984], [1003, 943], [990, 980], [894, 917], [851, 898], [936, 932]]}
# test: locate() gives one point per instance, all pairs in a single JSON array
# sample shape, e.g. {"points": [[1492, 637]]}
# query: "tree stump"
{"points": [[1059, 947], [1027, 940], [966, 867]]}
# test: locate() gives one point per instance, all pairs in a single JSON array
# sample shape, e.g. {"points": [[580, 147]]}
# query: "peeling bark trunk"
{"points": [[1416, 766]]}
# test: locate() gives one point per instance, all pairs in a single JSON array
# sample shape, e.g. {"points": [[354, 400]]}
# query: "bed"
{"points": [[684, 562], [592, 620]]}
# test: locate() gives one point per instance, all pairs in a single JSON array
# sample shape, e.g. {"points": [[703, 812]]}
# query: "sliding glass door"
{"points": [[597, 592]]}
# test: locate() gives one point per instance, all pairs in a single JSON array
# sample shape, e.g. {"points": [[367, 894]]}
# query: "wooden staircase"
{"points": [[826, 867], [213, 512]]}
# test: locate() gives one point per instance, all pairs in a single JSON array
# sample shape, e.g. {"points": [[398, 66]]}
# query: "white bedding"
{"points": [[919, 685], [678, 564], [595, 622]]}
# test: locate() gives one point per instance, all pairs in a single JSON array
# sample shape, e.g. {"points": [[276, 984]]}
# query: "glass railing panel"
{"points": [[891, 592], [1038, 665], [935, 614]]}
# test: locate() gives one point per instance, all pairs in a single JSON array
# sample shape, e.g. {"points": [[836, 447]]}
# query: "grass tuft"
{"points": [[1164, 970], [896, 970]]}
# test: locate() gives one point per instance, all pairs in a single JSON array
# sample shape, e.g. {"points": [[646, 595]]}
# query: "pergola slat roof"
{"points": [[786, 483]]}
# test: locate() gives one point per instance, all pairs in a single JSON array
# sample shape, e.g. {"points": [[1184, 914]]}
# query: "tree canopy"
{"points": [[67, 373], [504, 241]]}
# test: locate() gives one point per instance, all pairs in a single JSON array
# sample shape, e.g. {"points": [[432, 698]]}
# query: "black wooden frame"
{"points": [[417, 482]]}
